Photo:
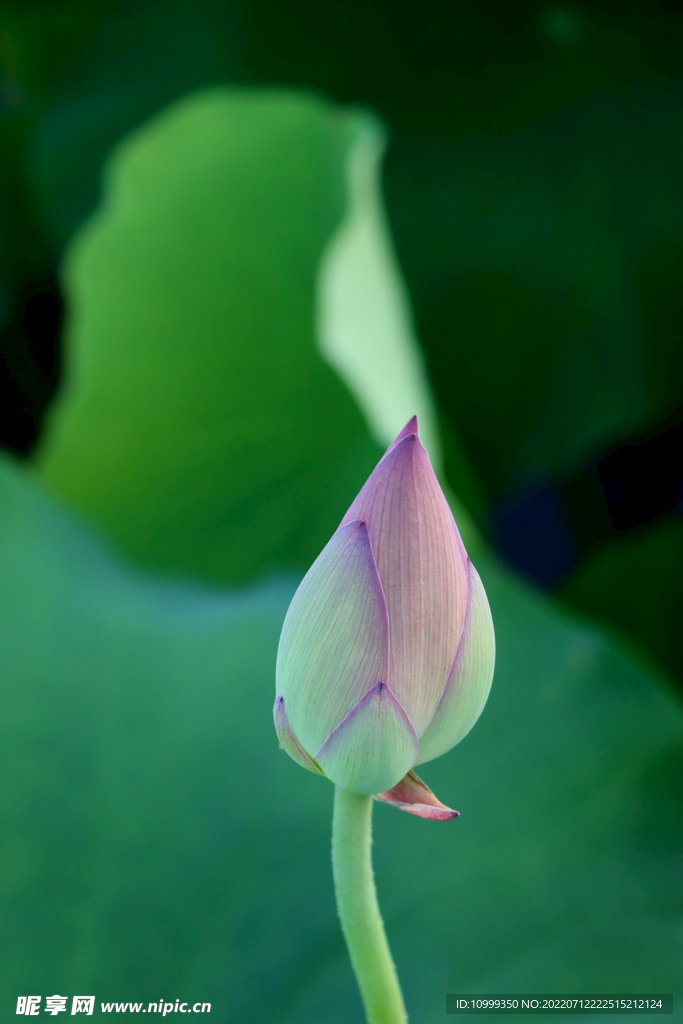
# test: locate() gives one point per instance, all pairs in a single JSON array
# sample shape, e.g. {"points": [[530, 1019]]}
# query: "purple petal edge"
{"points": [[288, 741], [384, 692], [414, 797]]}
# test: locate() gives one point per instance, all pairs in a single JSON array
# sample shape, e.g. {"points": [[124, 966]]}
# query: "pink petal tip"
{"points": [[410, 428]]}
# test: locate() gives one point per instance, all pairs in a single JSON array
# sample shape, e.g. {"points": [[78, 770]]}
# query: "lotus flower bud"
{"points": [[387, 650]]}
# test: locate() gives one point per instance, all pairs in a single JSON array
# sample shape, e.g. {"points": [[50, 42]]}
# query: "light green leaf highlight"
{"points": [[365, 324]]}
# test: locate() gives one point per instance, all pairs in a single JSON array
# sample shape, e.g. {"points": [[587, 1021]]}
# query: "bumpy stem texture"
{"points": [[361, 920]]}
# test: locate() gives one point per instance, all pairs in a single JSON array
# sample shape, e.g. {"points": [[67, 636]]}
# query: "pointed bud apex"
{"points": [[387, 651]]}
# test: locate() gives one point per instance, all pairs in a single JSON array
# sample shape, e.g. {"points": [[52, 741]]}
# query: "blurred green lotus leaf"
{"points": [[198, 426], [148, 851]]}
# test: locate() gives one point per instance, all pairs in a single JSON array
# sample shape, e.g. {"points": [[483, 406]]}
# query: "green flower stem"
{"points": [[361, 920]]}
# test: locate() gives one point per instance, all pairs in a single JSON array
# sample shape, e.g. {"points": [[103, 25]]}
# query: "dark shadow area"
{"points": [[30, 365]]}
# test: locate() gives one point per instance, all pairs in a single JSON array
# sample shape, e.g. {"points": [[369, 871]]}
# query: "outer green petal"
{"points": [[470, 678], [288, 740], [334, 641], [373, 748]]}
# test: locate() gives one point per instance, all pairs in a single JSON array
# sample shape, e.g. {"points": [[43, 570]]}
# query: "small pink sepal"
{"points": [[414, 797]]}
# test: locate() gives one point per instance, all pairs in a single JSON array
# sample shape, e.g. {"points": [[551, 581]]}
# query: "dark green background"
{"points": [[533, 188]]}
